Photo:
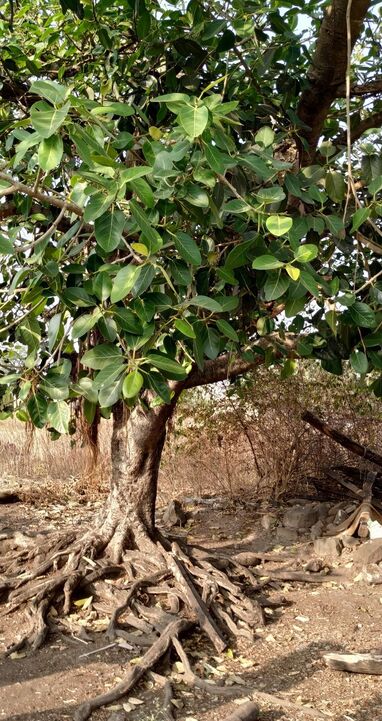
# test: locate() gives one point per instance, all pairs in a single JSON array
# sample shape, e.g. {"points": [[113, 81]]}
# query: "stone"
{"points": [[316, 530], [174, 514], [286, 535], [117, 716], [328, 547], [301, 517], [323, 510], [350, 541], [268, 521], [315, 565], [368, 552]]}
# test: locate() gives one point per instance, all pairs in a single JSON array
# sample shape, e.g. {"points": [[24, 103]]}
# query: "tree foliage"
{"points": [[165, 203]]}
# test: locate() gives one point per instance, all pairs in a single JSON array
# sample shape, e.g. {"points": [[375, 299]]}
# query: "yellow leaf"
{"points": [[155, 133], [229, 653], [293, 272], [140, 248], [17, 654], [83, 602]]}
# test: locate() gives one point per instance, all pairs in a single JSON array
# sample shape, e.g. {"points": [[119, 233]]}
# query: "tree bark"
{"points": [[328, 70], [136, 448]]}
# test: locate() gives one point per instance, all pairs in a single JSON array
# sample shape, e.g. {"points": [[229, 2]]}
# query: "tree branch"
{"points": [[229, 366], [328, 71], [40, 195], [373, 87], [371, 121], [223, 368]]}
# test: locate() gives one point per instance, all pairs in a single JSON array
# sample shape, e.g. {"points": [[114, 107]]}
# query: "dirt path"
{"points": [[286, 659]]}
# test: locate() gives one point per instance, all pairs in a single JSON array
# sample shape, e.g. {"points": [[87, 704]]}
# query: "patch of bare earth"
{"points": [[338, 614]]}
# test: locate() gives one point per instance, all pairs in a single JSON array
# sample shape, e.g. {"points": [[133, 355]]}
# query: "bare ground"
{"points": [[341, 614]]}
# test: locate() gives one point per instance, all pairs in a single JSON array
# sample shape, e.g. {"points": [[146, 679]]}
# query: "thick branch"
{"points": [[373, 87], [328, 70], [223, 368], [343, 440], [371, 121]]}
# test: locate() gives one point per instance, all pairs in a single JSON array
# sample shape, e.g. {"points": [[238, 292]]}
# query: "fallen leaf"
{"points": [[83, 602], [135, 701], [17, 654]]}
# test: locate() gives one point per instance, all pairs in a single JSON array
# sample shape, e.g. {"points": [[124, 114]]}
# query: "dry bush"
{"points": [[227, 439], [250, 438]]}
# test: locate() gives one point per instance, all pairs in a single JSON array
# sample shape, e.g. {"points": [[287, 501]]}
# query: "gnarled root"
{"points": [[190, 584]]}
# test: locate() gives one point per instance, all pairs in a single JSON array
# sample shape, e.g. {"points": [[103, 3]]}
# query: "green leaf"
{"points": [[211, 344], [58, 416], [172, 98], [108, 229], [50, 90], [53, 330], [193, 120], [87, 389], [6, 247], [159, 385], [50, 153], [144, 192], [265, 136], [187, 248], [359, 217], [375, 185], [377, 387], [273, 194], [171, 368], [121, 109], [266, 262], [278, 224], [335, 186], [184, 327], [124, 282], [359, 362], [306, 253], [37, 408], [132, 384], [203, 301], [217, 160], [227, 330], [83, 324], [98, 204], [275, 285], [110, 394], [144, 224], [362, 315], [373, 340], [102, 285], [102, 355], [138, 171], [46, 119]]}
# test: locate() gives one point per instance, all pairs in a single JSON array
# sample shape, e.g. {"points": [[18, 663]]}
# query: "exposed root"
{"points": [[150, 658], [218, 594]]}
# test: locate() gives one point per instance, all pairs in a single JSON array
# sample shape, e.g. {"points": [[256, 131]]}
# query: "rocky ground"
{"points": [[283, 671]]}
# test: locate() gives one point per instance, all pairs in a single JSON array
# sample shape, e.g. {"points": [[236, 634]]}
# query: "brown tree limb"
{"points": [[372, 87], [371, 121], [328, 70], [40, 195], [342, 439]]}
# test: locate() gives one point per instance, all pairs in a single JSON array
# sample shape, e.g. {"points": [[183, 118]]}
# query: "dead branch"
{"points": [[342, 439], [370, 663], [247, 712]]}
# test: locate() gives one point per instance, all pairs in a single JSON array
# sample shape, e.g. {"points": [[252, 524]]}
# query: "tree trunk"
{"points": [[136, 447]]}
